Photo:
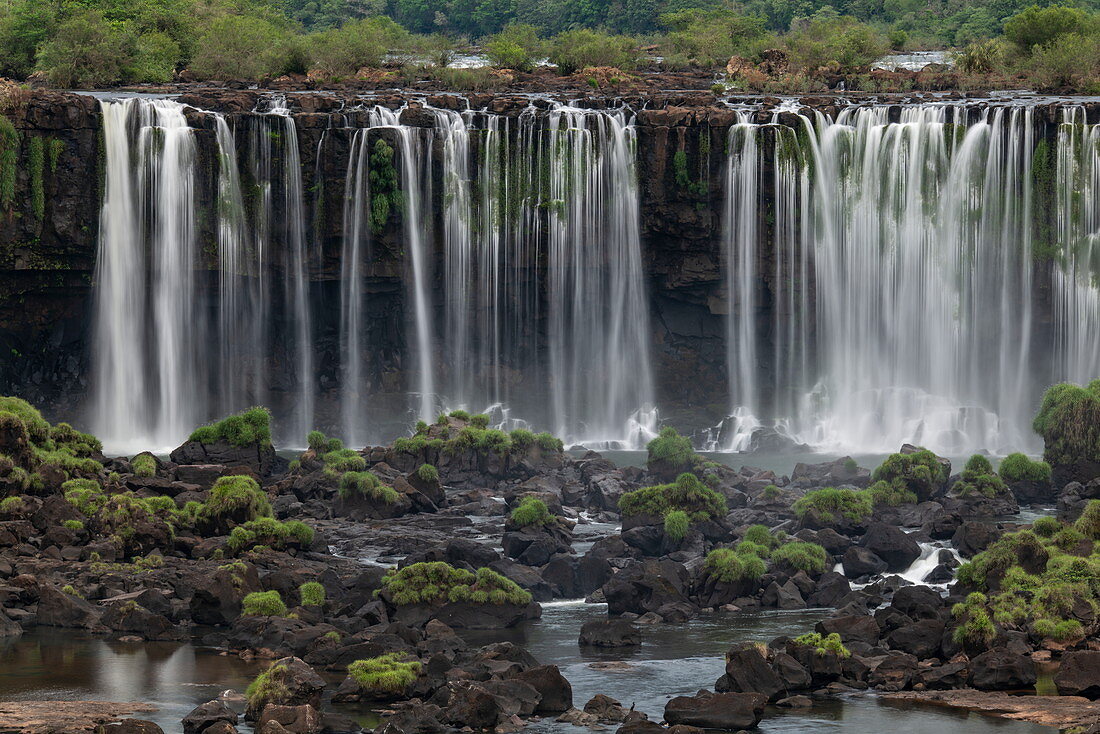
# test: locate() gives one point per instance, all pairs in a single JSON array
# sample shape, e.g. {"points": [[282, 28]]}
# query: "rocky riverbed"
{"points": [[434, 583]]}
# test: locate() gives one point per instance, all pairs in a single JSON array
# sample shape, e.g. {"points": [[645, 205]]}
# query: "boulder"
{"points": [[467, 615], [918, 602], [974, 537], [556, 694], [858, 561], [260, 458], [852, 628], [204, 716], [130, 726], [302, 719], [610, 633], [646, 587], [1001, 669], [747, 671], [58, 609], [727, 711], [893, 545], [1079, 674], [920, 639], [297, 684]]}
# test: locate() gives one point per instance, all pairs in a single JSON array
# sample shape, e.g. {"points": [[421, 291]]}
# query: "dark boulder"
{"points": [[58, 609], [610, 633], [747, 671], [974, 537], [556, 694], [1001, 669], [260, 458], [893, 545], [920, 639], [918, 602], [829, 590], [1079, 674], [852, 628], [727, 711], [294, 684], [646, 587], [858, 561], [206, 715]]}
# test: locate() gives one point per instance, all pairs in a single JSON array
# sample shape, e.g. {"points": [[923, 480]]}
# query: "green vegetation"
{"points": [[251, 427], [144, 465], [434, 583], [428, 473], [579, 49], [823, 644], [386, 195], [269, 686], [884, 494], [532, 511], [341, 460], [687, 493], [312, 594], [35, 444], [517, 46], [269, 533], [978, 479], [11, 506], [1069, 422], [9, 162], [1034, 579], [800, 556], [321, 444], [670, 453], [262, 604], [828, 503], [677, 523], [75, 525], [236, 498], [1089, 522], [366, 484], [760, 536], [918, 474], [481, 440], [727, 566], [1019, 468], [389, 673]]}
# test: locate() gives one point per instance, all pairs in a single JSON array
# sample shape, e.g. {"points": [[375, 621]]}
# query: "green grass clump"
{"points": [[978, 479], [269, 686], [727, 566], [918, 473], [238, 497], [808, 557], [771, 492], [482, 440], [829, 503], [1089, 522], [144, 465], [532, 511], [761, 536], [269, 533], [687, 493], [823, 644], [672, 450], [366, 484], [312, 594], [437, 582], [1069, 422], [342, 460], [1046, 527], [319, 443], [11, 506], [886, 494], [975, 625], [389, 673], [85, 495], [677, 523], [462, 415], [1019, 468], [263, 604], [35, 443], [251, 427], [479, 421], [428, 473]]}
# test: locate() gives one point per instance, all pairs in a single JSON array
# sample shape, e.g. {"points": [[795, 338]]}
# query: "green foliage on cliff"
{"points": [[978, 479], [436, 583], [1019, 468], [389, 673], [687, 494], [385, 195], [35, 446], [531, 511], [670, 451], [236, 496], [144, 465], [9, 162], [919, 473], [252, 427], [1069, 422], [366, 484], [726, 566], [270, 533], [828, 503]]}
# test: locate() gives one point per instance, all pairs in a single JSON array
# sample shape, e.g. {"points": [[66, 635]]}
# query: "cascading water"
{"points": [[919, 235], [146, 333]]}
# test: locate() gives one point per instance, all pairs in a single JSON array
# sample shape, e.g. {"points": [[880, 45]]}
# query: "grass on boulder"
{"points": [[235, 497], [263, 604], [531, 511], [727, 566], [687, 494], [366, 484], [389, 673], [1019, 468], [1069, 422], [249, 428], [829, 503], [312, 594], [823, 644], [438, 583]]}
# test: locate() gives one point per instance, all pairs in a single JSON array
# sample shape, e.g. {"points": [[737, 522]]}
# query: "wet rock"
{"points": [[852, 628], [973, 537], [893, 545], [747, 671], [786, 596], [646, 587], [830, 589], [260, 458], [918, 602], [944, 677], [58, 609], [727, 711], [607, 710], [610, 633], [555, 692], [920, 639], [1001, 670], [858, 561], [895, 672], [131, 726], [467, 615], [204, 716], [303, 719], [1079, 674], [297, 684]]}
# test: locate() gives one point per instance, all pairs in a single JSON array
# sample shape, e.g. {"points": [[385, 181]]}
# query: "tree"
{"points": [[85, 52], [343, 51], [575, 50], [1039, 26], [23, 28], [239, 47], [517, 47]]}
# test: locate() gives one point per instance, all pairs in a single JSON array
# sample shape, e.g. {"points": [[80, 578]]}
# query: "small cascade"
{"points": [[146, 330], [929, 560], [1077, 218]]}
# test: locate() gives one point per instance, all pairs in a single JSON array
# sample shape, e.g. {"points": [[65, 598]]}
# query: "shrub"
{"points": [[978, 479], [312, 594], [761, 536], [980, 57], [85, 495], [251, 427], [74, 525], [239, 47], [1089, 522], [482, 440], [1019, 468], [837, 43], [1046, 527], [827, 503], [479, 421], [388, 673], [11, 505], [708, 38], [428, 473], [771, 492], [270, 533], [343, 460], [822, 645], [726, 566], [268, 687], [437, 582], [808, 557], [462, 415], [1069, 422], [579, 49], [975, 626], [517, 46], [676, 524], [531, 511], [84, 52], [341, 52], [366, 484], [236, 498], [263, 604], [671, 450], [1036, 26], [1059, 629], [144, 465], [70, 590], [890, 495], [687, 493], [919, 473], [321, 444]]}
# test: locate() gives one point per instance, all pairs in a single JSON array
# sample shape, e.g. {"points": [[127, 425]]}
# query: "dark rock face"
{"points": [[748, 672], [206, 715], [859, 561], [854, 628], [1079, 674], [555, 692], [1001, 670], [726, 711], [260, 458], [468, 615], [893, 545], [648, 586]]}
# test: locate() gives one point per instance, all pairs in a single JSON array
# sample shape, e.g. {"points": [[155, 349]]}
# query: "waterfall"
{"points": [[145, 320], [1077, 219]]}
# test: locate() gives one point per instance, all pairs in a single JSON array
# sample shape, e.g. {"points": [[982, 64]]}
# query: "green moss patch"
{"points": [[438, 583]]}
